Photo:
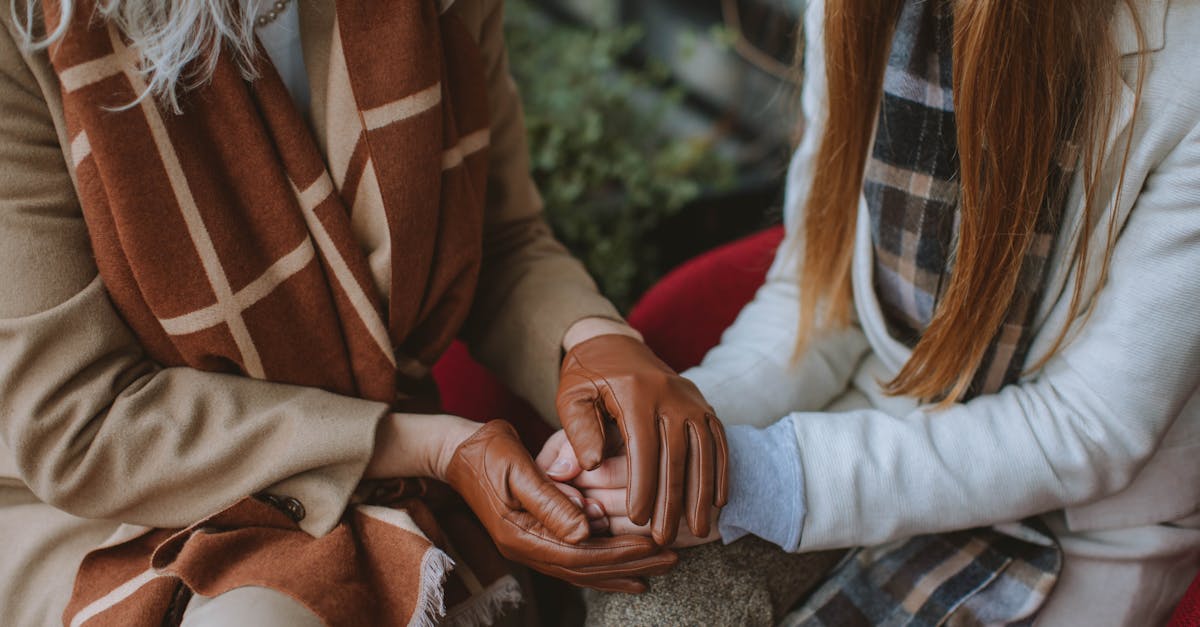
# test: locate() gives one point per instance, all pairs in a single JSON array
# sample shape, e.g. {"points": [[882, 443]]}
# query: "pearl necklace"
{"points": [[271, 15]]}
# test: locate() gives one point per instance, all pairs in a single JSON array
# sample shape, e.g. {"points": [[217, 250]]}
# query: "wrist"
{"points": [[588, 328], [766, 486], [417, 445], [453, 433]]}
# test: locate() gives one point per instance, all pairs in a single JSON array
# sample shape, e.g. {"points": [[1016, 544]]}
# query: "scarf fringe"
{"points": [[431, 602], [482, 608]]}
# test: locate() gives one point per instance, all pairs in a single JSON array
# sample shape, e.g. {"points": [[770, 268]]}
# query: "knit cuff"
{"points": [[766, 485]]}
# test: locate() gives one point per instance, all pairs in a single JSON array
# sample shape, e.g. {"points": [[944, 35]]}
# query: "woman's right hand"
{"points": [[534, 523]]}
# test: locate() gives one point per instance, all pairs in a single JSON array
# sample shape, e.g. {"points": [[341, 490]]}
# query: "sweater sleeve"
{"points": [[1080, 430], [530, 288], [96, 428], [766, 486], [750, 378]]}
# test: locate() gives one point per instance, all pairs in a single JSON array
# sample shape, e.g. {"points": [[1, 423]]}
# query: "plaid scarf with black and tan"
{"points": [[997, 575], [224, 235]]}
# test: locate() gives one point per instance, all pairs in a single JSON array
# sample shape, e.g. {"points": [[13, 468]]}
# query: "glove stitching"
{"points": [[721, 458], [694, 439], [487, 485], [593, 376], [503, 516], [665, 470]]}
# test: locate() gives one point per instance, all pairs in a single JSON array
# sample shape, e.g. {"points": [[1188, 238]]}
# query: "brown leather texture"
{"points": [[677, 455], [535, 524]]}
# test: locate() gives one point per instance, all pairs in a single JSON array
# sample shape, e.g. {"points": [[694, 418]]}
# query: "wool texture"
{"points": [[227, 236]]}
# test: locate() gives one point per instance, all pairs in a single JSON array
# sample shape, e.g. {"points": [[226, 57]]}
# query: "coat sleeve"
{"points": [[750, 377], [96, 428], [530, 288]]}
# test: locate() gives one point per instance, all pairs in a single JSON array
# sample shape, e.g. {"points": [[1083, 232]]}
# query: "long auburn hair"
{"points": [[1026, 75]]}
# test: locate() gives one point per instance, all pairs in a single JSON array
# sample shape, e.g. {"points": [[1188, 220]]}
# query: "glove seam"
{"points": [[599, 391], [694, 438]]}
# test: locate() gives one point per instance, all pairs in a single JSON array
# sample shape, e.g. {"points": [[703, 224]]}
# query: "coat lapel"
{"points": [[1151, 19], [1152, 14]]}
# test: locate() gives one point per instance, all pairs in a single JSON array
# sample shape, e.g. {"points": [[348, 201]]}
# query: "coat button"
{"points": [[293, 508], [286, 504]]}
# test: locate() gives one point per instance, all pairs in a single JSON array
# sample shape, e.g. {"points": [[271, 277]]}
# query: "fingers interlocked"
{"points": [[534, 523], [677, 455]]}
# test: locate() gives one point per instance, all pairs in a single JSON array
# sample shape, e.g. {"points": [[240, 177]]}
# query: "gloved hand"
{"points": [[671, 435], [535, 524]]}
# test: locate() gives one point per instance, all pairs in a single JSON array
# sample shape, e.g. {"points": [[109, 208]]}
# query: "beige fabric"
{"points": [[90, 426]]}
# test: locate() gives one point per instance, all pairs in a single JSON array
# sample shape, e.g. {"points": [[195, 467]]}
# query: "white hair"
{"points": [[177, 40]]}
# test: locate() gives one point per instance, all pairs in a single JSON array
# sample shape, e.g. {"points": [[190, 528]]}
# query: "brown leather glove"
{"points": [[669, 429], [533, 523]]}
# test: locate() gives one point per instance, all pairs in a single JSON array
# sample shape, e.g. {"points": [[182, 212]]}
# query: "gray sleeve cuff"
{"points": [[766, 485]]}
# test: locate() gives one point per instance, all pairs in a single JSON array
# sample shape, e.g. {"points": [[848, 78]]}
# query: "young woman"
{"points": [[978, 350], [235, 237]]}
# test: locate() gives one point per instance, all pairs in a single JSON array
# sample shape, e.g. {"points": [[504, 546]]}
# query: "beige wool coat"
{"points": [[95, 438]]}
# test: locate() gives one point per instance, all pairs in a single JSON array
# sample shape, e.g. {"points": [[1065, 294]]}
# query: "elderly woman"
{"points": [[235, 237]]}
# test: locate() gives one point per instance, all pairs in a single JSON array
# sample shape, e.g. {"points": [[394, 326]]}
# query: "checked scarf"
{"points": [[226, 237], [997, 575]]}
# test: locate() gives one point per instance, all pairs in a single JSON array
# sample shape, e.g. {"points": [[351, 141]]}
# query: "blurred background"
{"points": [[658, 128]]}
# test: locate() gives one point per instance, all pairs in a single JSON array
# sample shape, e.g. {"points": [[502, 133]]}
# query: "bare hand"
{"points": [[606, 489]]}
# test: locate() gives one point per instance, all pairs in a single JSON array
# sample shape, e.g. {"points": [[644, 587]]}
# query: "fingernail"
{"points": [[594, 510], [578, 503], [561, 466]]}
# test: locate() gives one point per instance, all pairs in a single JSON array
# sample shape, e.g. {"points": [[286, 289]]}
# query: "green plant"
{"points": [[607, 167]]}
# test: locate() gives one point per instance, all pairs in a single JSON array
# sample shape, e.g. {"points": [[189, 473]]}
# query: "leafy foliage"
{"points": [[608, 170]]}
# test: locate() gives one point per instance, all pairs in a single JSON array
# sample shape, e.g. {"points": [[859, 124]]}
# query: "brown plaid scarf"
{"points": [[997, 575], [224, 236], [912, 193]]}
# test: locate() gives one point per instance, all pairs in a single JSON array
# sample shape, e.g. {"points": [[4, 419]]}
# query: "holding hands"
{"points": [[616, 395], [535, 523], [645, 454], [532, 519], [607, 487]]}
